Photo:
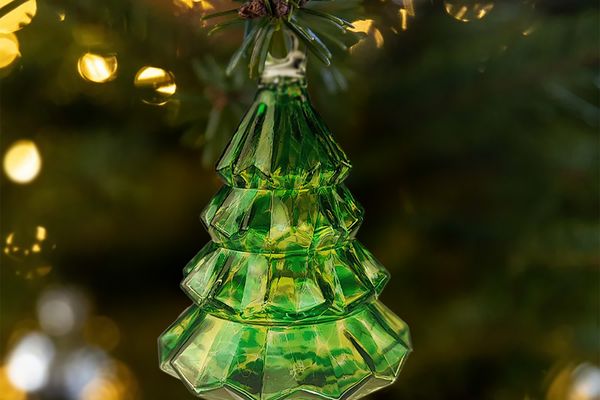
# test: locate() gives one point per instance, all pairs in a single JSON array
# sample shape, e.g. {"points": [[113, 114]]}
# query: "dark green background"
{"points": [[475, 152]]}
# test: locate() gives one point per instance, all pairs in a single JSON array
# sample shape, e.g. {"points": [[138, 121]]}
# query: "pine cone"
{"points": [[281, 8], [257, 9], [253, 9]]}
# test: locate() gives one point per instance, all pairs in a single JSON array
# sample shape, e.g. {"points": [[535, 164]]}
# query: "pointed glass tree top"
{"points": [[282, 142]]}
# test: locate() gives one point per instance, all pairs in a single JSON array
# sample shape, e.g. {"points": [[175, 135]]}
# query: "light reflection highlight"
{"points": [[203, 5], [403, 13], [406, 10], [9, 49], [157, 85], [529, 31], [22, 161], [373, 35], [97, 68], [18, 17], [468, 10], [29, 363]]}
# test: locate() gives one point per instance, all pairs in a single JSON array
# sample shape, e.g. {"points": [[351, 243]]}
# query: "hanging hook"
{"points": [[293, 65]]}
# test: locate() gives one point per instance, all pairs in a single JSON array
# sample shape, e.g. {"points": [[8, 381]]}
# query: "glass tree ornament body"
{"points": [[285, 297]]}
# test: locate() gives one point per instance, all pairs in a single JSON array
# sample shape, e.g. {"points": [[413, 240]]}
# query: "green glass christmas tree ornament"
{"points": [[285, 298]]}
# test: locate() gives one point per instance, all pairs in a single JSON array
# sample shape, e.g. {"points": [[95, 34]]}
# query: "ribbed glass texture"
{"points": [[285, 298]]}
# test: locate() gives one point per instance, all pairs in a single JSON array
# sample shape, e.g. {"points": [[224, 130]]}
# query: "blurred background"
{"points": [[473, 130]]}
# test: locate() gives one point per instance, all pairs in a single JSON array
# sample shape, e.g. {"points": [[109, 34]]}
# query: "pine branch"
{"points": [[265, 19]]}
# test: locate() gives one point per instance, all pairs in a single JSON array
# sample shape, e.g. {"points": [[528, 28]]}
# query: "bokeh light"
{"points": [[157, 85], [80, 367], [575, 382], [9, 49], [22, 161], [203, 5], [373, 36], [468, 10], [17, 248], [529, 30], [18, 16], [586, 383], [57, 362], [97, 68], [21, 329], [27, 251], [61, 311], [7, 390], [115, 383], [29, 363], [407, 10]]}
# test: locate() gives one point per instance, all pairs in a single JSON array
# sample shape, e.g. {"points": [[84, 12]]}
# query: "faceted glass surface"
{"points": [[282, 220], [285, 298], [343, 358], [284, 287], [283, 143]]}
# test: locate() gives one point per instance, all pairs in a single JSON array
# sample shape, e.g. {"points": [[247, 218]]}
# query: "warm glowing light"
{"points": [[409, 6], [18, 17], [62, 16], [149, 75], [22, 161], [97, 68], [82, 367], [26, 251], [468, 10], [575, 382], [362, 26], [40, 233], [9, 49], [37, 272], [102, 389], [529, 31], [9, 392], [168, 90], [29, 363], [406, 10], [191, 4], [403, 12], [9, 238], [586, 383], [116, 383], [158, 84], [367, 26]]}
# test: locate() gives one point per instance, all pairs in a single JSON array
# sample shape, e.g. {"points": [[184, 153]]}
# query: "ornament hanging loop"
{"points": [[292, 66]]}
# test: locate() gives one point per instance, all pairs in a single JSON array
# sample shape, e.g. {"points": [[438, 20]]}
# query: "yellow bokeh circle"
{"points": [[22, 161], [97, 68]]}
